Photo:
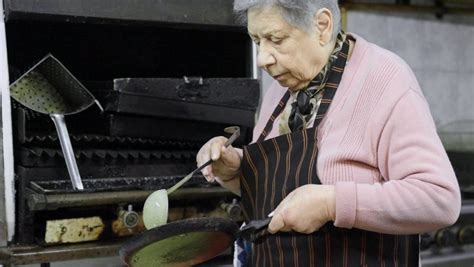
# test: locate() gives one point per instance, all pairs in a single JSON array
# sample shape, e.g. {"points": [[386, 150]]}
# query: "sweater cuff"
{"points": [[346, 203]]}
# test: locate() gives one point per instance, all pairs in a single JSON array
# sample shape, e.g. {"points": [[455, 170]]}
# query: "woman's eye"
{"points": [[276, 40]]}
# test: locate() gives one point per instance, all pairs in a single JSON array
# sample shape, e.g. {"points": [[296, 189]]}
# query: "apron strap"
{"points": [[279, 108], [332, 83]]}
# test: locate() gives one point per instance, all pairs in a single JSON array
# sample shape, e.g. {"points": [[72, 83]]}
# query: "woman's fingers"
{"points": [[204, 154], [304, 210], [277, 223], [207, 173], [216, 148], [230, 157], [210, 150], [226, 160]]}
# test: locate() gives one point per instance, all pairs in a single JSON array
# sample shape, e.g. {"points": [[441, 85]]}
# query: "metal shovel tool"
{"points": [[49, 88]]}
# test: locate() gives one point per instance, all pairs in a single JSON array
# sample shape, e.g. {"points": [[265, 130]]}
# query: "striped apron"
{"points": [[272, 168]]}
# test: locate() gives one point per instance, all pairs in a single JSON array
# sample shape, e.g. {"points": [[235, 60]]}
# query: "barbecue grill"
{"points": [[169, 76]]}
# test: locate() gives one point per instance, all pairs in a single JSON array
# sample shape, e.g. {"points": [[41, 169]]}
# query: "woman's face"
{"points": [[290, 55]]}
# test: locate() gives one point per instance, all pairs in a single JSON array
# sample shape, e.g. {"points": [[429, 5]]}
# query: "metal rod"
{"points": [[254, 67], [344, 18], [402, 2], [7, 198], [187, 177], [407, 8], [68, 152], [35, 254], [235, 131], [462, 2], [51, 202]]}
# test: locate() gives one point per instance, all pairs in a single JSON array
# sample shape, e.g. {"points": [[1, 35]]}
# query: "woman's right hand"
{"points": [[226, 162]]}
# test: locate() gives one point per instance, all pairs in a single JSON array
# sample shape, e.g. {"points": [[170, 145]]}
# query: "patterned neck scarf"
{"points": [[299, 114]]}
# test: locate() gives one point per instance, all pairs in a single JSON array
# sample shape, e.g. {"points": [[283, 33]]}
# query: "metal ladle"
{"points": [[155, 209], [235, 131], [49, 88]]}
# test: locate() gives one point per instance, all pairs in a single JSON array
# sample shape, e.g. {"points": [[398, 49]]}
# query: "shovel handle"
{"points": [[68, 153]]}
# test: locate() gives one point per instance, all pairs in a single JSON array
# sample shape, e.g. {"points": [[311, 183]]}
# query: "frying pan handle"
{"points": [[255, 230], [63, 135]]}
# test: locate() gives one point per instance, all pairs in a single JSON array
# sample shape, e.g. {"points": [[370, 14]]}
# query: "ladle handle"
{"points": [[235, 135], [63, 135]]}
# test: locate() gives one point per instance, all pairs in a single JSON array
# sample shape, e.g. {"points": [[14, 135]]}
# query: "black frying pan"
{"points": [[187, 242]]}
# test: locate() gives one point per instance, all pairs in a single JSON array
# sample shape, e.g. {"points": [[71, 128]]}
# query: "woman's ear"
{"points": [[323, 24]]}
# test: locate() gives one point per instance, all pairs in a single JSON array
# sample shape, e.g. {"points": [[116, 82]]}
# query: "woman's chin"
{"points": [[291, 86], [285, 83]]}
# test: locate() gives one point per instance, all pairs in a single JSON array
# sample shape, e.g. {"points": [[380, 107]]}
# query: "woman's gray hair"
{"points": [[299, 13]]}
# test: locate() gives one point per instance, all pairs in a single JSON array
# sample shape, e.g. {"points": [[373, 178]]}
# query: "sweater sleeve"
{"points": [[419, 191]]}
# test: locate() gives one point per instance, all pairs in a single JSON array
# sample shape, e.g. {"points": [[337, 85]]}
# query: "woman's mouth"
{"points": [[279, 77]]}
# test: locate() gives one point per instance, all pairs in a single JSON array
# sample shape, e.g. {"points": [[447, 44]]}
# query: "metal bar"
{"points": [[344, 18], [3, 68], [407, 8], [68, 152], [31, 255], [461, 2], [448, 257], [254, 52], [235, 130], [402, 2], [50, 202], [203, 12], [7, 203], [467, 207]]}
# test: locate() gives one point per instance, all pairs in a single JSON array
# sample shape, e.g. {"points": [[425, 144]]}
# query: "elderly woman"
{"points": [[345, 154]]}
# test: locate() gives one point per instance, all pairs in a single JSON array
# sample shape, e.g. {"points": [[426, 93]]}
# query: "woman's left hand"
{"points": [[305, 209]]}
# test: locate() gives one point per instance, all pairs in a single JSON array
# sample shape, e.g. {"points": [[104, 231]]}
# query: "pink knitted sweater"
{"points": [[378, 145]]}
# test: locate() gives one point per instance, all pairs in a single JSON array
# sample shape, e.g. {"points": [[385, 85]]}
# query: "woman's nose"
{"points": [[265, 58]]}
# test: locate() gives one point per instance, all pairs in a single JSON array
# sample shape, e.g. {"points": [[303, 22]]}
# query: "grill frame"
{"points": [[18, 16]]}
